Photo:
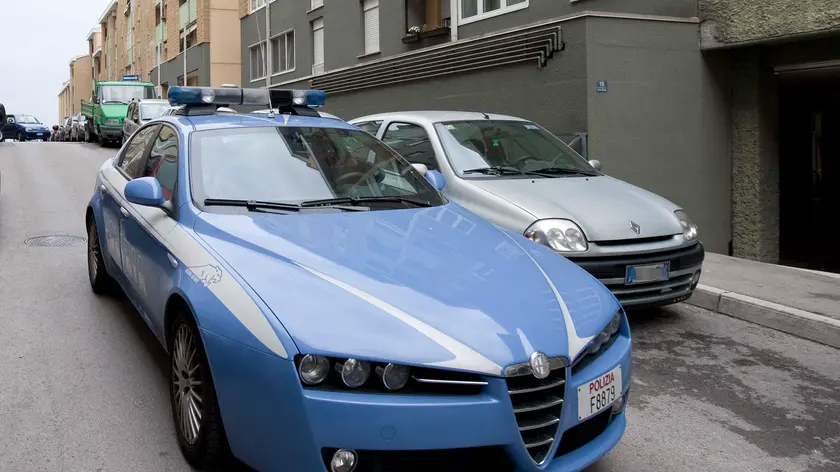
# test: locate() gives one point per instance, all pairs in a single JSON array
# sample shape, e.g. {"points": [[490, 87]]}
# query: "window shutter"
{"points": [[371, 21], [318, 46]]}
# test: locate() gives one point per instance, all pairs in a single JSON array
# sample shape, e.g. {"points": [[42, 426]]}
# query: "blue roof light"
{"points": [[227, 96]]}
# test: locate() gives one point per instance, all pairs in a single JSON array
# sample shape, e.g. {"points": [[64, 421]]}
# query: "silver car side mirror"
{"points": [[421, 168], [595, 164]]}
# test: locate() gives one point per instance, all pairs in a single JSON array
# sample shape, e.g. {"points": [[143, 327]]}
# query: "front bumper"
{"points": [[270, 421], [686, 264], [32, 135], [111, 132]]}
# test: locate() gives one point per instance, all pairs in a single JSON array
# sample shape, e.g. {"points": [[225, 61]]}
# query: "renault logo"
{"points": [[539, 365], [635, 227]]}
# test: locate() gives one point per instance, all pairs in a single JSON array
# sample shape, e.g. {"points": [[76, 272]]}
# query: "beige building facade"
{"points": [[76, 89], [65, 101]]}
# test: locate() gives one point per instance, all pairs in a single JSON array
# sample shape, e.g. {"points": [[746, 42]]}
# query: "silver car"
{"points": [[519, 176], [140, 112]]}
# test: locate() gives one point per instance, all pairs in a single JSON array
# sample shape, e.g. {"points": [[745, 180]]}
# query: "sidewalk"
{"points": [[796, 301]]}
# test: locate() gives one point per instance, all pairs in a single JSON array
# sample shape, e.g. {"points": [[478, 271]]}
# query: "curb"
{"points": [[801, 323]]}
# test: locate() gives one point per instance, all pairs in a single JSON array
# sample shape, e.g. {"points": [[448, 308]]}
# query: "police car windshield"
{"points": [[473, 146], [296, 164], [125, 93]]}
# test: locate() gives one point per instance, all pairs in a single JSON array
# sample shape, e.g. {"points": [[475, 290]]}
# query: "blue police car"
{"points": [[325, 308]]}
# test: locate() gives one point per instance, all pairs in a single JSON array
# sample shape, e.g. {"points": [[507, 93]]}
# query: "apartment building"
{"points": [[77, 88], [169, 42], [677, 96]]}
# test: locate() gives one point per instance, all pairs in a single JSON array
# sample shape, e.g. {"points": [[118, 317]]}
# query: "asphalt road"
{"points": [[83, 382]]}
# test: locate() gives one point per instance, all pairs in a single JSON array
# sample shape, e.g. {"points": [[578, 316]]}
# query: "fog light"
{"points": [[695, 280], [344, 460], [618, 405]]}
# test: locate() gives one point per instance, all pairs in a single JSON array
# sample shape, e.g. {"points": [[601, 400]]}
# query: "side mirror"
{"points": [[11, 121], [96, 100], [420, 168], [436, 179], [145, 191], [596, 164]]}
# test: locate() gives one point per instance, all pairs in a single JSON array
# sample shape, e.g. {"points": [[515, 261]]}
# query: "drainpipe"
{"points": [[454, 14], [268, 44]]}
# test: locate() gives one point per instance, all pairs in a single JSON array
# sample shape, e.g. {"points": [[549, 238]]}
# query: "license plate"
{"points": [[40, 134], [599, 394], [647, 273]]}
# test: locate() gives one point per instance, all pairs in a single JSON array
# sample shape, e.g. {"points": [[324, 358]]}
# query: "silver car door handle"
{"points": [[172, 261], [123, 211]]}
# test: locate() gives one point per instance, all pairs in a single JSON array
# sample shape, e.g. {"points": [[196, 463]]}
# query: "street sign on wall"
{"points": [[131, 78], [601, 86]]}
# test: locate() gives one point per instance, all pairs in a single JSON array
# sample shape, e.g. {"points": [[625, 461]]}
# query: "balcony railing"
{"points": [[187, 13], [160, 32]]}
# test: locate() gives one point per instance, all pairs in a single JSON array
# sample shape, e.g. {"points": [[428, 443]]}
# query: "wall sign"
{"points": [[601, 86]]}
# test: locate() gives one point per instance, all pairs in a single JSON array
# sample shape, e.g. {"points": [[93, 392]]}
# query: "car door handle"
{"points": [[124, 211], [103, 188]]}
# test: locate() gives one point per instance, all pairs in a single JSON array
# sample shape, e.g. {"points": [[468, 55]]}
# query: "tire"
{"points": [[21, 137], [100, 282], [207, 448]]}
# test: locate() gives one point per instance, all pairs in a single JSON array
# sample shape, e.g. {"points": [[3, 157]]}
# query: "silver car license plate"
{"points": [[641, 274]]}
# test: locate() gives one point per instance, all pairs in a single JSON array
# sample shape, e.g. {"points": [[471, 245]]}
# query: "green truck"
{"points": [[106, 112]]}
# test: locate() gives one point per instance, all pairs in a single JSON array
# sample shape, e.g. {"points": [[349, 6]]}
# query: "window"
{"points": [[318, 46], [411, 142], [313, 4], [257, 53], [474, 145], [163, 161], [371, 127], [478, 9], [135, 151], [290, 164], [283, 52], [257, 4], [370, 14]]}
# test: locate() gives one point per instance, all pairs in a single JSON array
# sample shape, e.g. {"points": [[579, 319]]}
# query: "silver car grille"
{"points": [[538, 406]]}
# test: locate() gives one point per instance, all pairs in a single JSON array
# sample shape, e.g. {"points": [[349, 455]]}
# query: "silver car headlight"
{"points": [[599, 341], [688, 226], [561, 235]]}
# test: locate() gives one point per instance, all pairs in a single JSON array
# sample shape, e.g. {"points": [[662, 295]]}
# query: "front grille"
{"points": [[615, 267], [485, 459], [627, 294], [538, 405]]}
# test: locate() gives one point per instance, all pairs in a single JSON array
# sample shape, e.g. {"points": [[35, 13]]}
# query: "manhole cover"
{"points": [[55, 241]]}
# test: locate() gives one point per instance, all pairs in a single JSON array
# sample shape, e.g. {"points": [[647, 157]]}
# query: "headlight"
{"points": [[560, 235], [688, 226], [604, 336], [30, 129], [394, 376], [313, 369], [354, 373], [112, 121]]}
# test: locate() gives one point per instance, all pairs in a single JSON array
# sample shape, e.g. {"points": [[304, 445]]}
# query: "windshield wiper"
{"points": [[252, 205], [563, 171], [501, 170], [362, 200]]}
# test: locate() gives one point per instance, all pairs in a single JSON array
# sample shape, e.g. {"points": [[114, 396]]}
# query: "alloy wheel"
{"points": [[187, 385]]}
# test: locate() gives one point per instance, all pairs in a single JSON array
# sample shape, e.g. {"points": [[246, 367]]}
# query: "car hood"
{"points": [[602, 206], [114, 110], [433, 286]]}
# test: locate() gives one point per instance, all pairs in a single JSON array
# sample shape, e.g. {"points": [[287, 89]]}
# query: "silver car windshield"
{"points": [[125, 93], [149, 111], [27, 120], [294, 164], [476, 146]]}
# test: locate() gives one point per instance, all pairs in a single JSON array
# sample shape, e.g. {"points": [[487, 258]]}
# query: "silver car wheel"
{"points": [[186, 384]]}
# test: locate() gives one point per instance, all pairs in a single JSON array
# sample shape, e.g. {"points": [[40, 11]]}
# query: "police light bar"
{"points": [[227, 96]]}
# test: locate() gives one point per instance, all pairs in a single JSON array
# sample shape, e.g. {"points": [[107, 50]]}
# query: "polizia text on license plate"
{"points": [[599, 394]]}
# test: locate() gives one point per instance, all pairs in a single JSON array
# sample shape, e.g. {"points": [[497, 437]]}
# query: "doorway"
{"points": [[809, 159]]}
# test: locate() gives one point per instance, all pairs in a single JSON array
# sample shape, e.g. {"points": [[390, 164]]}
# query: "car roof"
{"points": [[436, 116], [227, 121]]}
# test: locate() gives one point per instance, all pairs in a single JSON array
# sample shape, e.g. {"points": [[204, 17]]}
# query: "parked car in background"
{"points": [[140, 112], [25, 128], [64, 128], [77, 128], [519, 176]]}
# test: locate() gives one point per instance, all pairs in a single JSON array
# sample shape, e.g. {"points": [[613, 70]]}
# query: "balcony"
{"points": [[187, 13], [160, 32], [425, 20]]}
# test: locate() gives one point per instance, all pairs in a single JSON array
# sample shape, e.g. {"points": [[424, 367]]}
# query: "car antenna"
{"points": [[486, 116]]}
